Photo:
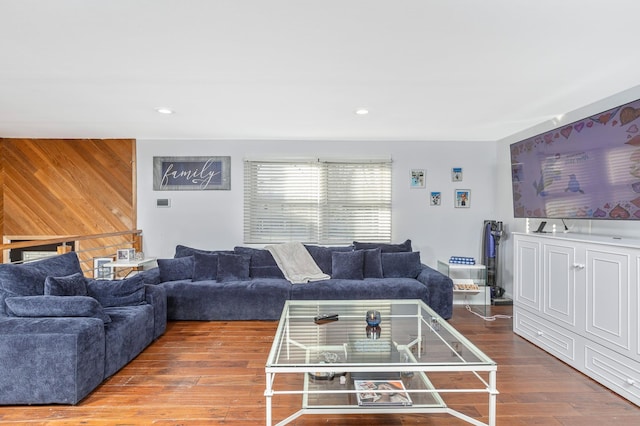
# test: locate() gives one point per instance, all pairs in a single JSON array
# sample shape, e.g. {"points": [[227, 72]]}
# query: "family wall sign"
{"points": [[191, 173]]}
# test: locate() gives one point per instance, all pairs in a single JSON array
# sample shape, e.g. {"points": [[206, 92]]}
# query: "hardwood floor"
{"points": [[201, 373]]}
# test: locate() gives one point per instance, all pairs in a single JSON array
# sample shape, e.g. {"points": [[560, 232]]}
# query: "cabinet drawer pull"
{"points": [[631, 382], [540, 333], [579, 266]]}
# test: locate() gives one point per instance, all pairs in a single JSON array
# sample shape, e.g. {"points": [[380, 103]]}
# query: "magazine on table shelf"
{"points": [[381, 392]]}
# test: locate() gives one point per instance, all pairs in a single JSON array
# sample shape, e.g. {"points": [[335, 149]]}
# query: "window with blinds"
{"points": [[316, 201]]}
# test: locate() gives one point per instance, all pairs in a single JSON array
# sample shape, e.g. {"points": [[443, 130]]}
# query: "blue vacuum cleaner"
{"points": [[493, 232]]}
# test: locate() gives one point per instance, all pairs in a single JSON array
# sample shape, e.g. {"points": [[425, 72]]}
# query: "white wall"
{"points": [[504, 197], [213, 219]]}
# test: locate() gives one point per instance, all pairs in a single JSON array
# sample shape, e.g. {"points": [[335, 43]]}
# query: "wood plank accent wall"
{"points": [[52, 187]]}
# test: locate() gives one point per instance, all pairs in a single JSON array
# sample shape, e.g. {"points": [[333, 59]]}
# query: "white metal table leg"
{"points": [[268, 393], [493, 392]]}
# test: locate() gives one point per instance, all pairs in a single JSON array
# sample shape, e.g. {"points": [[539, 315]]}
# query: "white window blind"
{"points": [[325, 202]]}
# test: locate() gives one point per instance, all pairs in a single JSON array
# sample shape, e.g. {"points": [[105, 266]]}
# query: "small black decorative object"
{"points": [[373, 324]]}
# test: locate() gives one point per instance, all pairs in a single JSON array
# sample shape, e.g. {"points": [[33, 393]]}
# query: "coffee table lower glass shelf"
{"points": [[415, 363]]}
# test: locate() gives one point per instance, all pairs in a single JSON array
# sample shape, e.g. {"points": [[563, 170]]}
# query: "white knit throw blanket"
{"points": [[296, 263]]}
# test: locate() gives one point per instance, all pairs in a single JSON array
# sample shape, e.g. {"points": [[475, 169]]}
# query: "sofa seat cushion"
{"points": [[127, 292], [372, 288], [259, 298], [27, 279], [130, 331]]}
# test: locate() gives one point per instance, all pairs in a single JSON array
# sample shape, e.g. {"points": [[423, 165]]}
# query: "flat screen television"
{"points": [[589, 169]]}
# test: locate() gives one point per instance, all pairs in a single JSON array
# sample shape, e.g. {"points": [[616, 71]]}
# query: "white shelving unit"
{"points": [[462, 275]]}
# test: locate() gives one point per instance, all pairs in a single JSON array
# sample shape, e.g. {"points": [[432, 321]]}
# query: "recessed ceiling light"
{"points": [[362, 111], [164, 110]]}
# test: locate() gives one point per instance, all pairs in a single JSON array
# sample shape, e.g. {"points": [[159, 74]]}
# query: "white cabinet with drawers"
{"points": [[576, 296]]}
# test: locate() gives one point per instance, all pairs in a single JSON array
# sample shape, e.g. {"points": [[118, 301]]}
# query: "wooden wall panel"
{"points": [[53, 187]]}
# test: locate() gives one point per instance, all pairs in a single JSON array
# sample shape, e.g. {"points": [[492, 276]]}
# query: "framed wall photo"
{"points": [[101, 272], [462, 198], [191, 173], [456, 174], [418, 178], [436, 198]]}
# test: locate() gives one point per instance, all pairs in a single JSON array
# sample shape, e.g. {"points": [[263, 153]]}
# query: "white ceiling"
{"points": [[297, 69]]}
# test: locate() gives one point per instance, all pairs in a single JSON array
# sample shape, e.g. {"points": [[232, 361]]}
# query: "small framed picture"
{"points": [[101, 272], [418, 178], [435, 199], [126, 255], [456, 174], [462, 198]]}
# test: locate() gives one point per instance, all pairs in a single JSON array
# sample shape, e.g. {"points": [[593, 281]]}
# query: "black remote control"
{"points": [[325, 318]]}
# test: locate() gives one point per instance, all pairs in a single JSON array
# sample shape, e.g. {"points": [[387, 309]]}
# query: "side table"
{"points": [[468, 274], [133, 265]]}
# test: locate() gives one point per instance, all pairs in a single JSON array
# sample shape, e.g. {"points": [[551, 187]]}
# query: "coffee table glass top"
{"points": [[409, 334]]}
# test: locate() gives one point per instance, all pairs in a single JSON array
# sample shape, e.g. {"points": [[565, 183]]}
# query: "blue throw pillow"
{"points": [[373, 263], [233, 267], [348, 265], [127, 292], [205, 267], [401, 265], [180, 268], [72, 285], [56, 306], [384, 247], [27, 279], [323, 256]]}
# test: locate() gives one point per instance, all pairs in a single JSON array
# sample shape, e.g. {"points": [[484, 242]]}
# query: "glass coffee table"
{"points": [[411, 362]]}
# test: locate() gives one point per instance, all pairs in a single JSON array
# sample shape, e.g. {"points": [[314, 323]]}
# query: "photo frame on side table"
{"points": [[126, 255], [101, 272], [462, 198]]}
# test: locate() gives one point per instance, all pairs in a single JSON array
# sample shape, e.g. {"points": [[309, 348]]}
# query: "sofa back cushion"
{"points": [[180, 268], [262, 264], [384, 247], [323, 256], [184, 251], [127, 292], [71, 285], [401, 265], [28, 279]]}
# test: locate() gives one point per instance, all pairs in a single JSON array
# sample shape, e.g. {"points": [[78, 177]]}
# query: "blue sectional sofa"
{"points": [[247, 284], [62, 334]]}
